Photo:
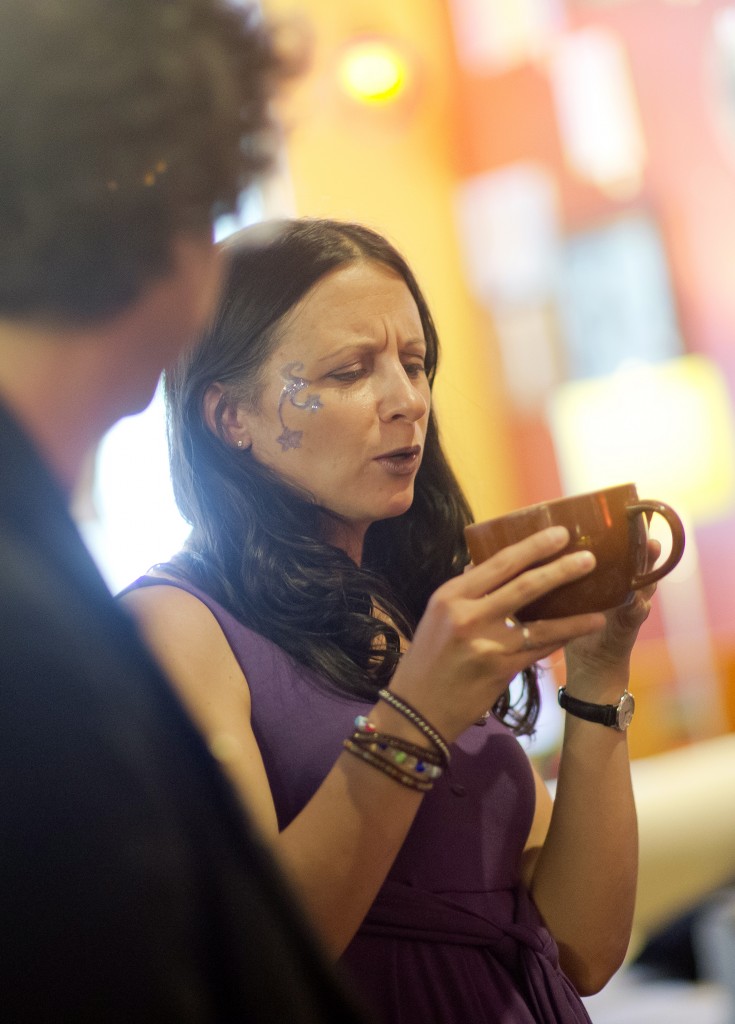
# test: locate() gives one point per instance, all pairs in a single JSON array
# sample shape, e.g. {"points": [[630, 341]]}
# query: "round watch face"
{"points": [[626, 707]]}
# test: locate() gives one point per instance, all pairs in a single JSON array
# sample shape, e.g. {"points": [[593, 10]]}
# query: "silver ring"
{"points": [[511, 622]]}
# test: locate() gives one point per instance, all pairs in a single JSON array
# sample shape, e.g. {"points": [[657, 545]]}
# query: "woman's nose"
{"points": [[401, 397]]}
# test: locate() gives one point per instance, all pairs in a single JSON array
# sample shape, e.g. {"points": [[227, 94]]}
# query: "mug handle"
{"points": [[677, 541]]}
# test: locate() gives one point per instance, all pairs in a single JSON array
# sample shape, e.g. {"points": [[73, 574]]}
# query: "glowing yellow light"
{"points": [[373, 72]]}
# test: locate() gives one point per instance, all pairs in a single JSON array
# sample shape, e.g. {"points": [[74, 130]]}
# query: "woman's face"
{"points": [[344, 410]]}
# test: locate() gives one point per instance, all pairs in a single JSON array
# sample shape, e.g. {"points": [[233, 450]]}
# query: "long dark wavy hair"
{"points": [[258, 545]]}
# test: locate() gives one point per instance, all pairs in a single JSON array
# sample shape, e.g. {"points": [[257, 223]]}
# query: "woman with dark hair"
{"points": [[352, 672]]}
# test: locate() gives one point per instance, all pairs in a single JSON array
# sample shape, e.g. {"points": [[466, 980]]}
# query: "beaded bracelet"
{"points": [[410, 712], [404, 777], [409, 757], [406, 762], [366, 732]]}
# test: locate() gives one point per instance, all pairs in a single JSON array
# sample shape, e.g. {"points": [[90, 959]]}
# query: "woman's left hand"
{"points": [[596, 657]]}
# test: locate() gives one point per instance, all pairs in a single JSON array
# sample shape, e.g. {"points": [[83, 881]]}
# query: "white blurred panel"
{"points": [[509, 228], [493, 35]]}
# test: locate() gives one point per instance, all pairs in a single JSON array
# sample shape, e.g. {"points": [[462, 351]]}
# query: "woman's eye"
{"points": [[415, 369], [346, 376]]}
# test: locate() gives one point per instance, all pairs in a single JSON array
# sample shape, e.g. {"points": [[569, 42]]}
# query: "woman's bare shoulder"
{"points": [[170, 616]]}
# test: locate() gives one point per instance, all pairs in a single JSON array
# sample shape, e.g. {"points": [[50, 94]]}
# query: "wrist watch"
{"points": [[617, 716]]}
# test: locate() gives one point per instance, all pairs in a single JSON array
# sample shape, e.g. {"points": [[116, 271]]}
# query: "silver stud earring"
{"points": [[239, 443]]}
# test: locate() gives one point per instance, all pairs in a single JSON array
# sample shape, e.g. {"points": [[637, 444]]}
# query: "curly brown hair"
{"points": [[122, 124]]}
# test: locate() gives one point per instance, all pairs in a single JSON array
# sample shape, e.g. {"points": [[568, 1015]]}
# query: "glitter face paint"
{"points": [[293, 385]]}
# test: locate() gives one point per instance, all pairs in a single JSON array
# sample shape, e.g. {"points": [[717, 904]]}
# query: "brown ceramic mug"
{"points": [[611, 523]]}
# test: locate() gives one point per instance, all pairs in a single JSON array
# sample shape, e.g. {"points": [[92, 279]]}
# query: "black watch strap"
{"points": [[603, 714]]}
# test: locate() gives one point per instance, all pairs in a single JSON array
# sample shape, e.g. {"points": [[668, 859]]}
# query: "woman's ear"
{"points": [[224, 418]]}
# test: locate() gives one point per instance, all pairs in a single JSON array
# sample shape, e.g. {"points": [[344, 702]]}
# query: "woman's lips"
{"points": [[401, 461]]}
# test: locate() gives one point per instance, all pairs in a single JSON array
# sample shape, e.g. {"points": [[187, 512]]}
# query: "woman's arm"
{"points": [[192, 649], [339, 849], [583, 876], [581, 861]]}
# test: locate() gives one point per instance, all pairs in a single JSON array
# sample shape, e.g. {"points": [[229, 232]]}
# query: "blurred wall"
{"points": [[686, 101]]}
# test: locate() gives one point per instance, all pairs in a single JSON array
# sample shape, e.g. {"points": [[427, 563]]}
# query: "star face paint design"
{"points": [[292, 387]]}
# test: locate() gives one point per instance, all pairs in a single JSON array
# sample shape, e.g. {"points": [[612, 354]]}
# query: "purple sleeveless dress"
{"points": [[453, 936]]}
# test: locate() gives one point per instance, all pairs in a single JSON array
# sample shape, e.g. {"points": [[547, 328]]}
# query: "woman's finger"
{"points": [[545, 636], [521, 634], [512, 560], [653, 550], [533, 583]]}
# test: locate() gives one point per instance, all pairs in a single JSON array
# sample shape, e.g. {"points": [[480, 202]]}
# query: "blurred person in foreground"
{"points": [[325, 628], [131, 885]]}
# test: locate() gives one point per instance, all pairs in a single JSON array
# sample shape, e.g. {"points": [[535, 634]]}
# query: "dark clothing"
{"points": [[453, 936], [131, 889]]}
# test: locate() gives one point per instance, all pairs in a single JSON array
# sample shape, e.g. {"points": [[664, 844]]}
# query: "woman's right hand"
{"points": [[468, 645]]}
